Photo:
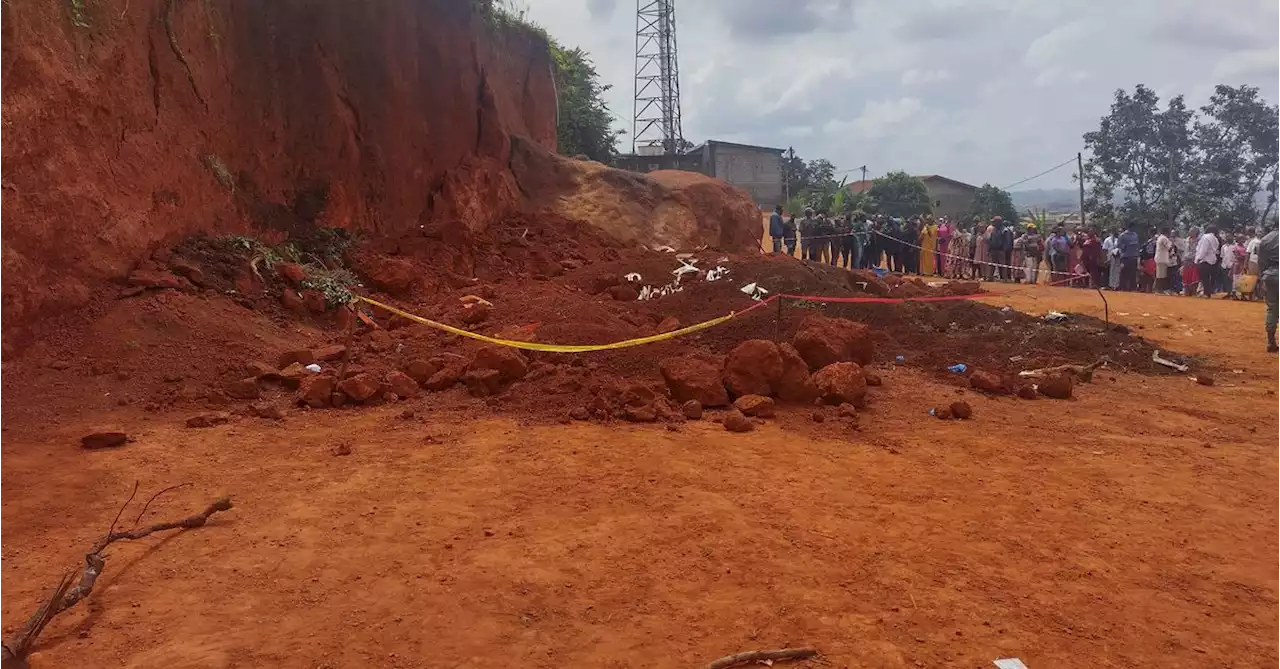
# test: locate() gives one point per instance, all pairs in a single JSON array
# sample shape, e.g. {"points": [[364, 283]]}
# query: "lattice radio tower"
{"points": [[656, 128]]}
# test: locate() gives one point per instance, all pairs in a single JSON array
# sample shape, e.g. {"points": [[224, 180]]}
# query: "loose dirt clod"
{"points": [[961, 410], [735, 421], [208, 419], [755, 406], [1058, 386], [104, 440]]}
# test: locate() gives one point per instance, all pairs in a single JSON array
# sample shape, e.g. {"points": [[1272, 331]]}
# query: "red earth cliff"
{"points": [[154, 121]]}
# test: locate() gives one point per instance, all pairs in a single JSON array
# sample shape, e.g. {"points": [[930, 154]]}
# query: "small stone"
{"points": [[673, 427], [692, 409], [735, 421], [122, 375], [209, 419], [942, 413], [625, 292], [59, 365], [579, 413], [314, 301], [104, 440], [873, 379], [266, 410], [482, 382], [987, 382], [1027, 392], [476, 313], [315, 391], [261, 371], [645, 413], [669, 324], [961, 410], [291, 272], [756, 406], [407, 414], [343, 448], [244, 389], [172, 378], [292, 301], [422, 370], [847, 410], [1204, 380], [818, 417]]}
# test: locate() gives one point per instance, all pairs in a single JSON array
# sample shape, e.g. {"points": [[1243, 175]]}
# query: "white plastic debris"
{"points": [[1010, 663], [313, 368], [632, 277], [755, 291], [664, 249], [687, 266], [1055, 317], [1155, 357], [718, 273]]}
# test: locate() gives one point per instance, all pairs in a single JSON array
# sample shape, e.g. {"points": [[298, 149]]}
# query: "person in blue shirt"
{"points": [[1130, 246], [775, 228]]}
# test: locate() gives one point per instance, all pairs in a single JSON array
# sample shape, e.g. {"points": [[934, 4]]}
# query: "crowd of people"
{"points": [[1199, 262]]}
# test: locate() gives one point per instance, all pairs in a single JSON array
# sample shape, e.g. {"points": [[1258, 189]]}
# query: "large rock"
{"points": [[507, 362], [756, 406], [482, 382], [104, 440], [694, 379], [402, 385], [244, 389], [735, 421], [303, 356], [1058, 386], [422, 370], [840, 383], [795, 384], [822, 341], [753, 367], [329, 353], [315, 391], [359, 388], [988, 382]]}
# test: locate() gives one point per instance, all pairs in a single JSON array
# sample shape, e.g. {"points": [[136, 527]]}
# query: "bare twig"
{"points": [[64, 596], [122, 508], [153, 498], [763, 655]]}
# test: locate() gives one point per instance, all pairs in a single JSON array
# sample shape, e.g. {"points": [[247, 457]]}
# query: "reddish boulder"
{"points": [[1027, 392], [315, 301], [104, 440], [291, 272], [188, 271], [380, 340], [644, 413], [262, 371], [943, 413], [482, 382], [987, 382], [873, 379], [402, 385], [302, 356], [209, 419], [753, 367], [444, 379], [795, 384], [841, 382], [694, 379], [756, 406], [475, 313], [961, 410], [266, 410], [395, 276], [359, 388], [508, 362], [421, 370], [737, 422], [291, 376], [692, 409], [244, 389], [625, 292], [822, 341], [1058, 386], [292, 301], [329, 353], [315, 391]]}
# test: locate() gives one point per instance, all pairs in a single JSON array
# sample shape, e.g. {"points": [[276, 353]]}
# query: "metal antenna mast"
{"points": [[656, 128]]}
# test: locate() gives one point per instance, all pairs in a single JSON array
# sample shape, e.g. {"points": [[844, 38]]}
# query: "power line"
{"points": [[1042, 174]]}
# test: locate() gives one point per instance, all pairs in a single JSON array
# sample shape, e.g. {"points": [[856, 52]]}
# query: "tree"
{"points": [[1237, 159], [900, 194], [584, 124], [1137, 149], [991, 201]]}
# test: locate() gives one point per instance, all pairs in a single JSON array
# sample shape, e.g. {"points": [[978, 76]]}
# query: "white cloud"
{"points": [[913, 77]]}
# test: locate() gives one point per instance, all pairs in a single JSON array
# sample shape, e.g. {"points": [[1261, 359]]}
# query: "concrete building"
{"points": [[755, 169], [950, 198]]}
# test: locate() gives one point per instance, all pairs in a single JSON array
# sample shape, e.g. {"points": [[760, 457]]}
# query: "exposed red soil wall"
{"points": [[386, 117]]}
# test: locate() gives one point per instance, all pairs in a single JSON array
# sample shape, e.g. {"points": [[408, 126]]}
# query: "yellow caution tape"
{"points": [[556, 348]]}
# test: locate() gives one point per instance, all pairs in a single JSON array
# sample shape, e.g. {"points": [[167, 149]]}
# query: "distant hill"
{"points": [[1052, 199]]}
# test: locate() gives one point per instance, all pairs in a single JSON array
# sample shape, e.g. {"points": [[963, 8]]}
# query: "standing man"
{"points": [[1130, 245], [789, 234], [1268, 248], [1032, 252], [1164, 261], [1110, 253], [1207, 259], [1008, 237], [1059, 248], [995, 249], [775, 228], [807, 233]]}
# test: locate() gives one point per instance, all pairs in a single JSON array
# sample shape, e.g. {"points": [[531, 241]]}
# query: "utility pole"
{"points": [[864, 173], [786, 175], [1080, 176]]}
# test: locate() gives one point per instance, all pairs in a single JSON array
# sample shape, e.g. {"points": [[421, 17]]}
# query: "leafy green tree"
{"points": [[991, 201], [900, 194], [584, 124], [1137, 150], [1237, 159]]}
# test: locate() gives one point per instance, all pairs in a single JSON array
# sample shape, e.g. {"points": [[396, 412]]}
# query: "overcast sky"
{"points": [[979, 90]]}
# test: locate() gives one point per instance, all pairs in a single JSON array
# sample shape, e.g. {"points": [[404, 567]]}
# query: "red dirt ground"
{"points": [[1132, 526]]}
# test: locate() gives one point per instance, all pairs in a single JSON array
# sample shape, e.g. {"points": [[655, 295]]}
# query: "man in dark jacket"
{"points": [[1269, 274], [789, 234], [808, 230], [995, 248], [1008, 237], [775, 228]]}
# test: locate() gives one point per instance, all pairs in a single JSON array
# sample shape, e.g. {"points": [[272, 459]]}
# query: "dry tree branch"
{"points": [[153, 498], [111, 528], [64, 596], [762, 656]]}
